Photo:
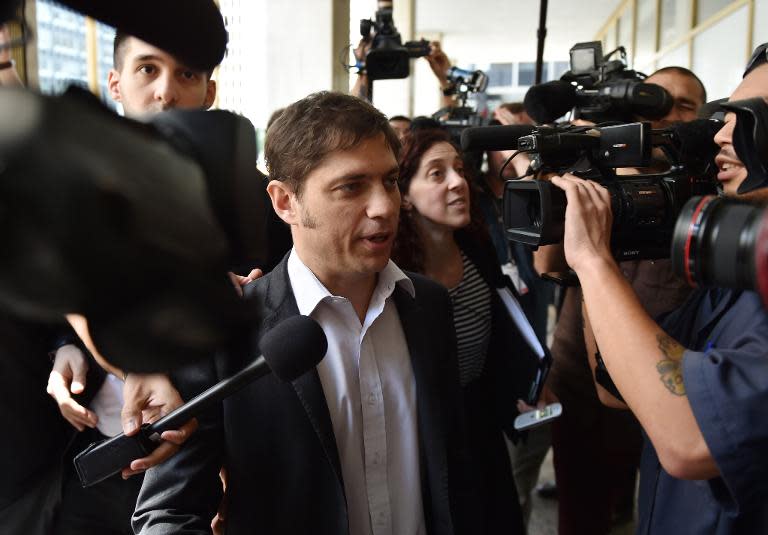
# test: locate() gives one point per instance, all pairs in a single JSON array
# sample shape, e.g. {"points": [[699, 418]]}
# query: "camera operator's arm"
{"points": [[360, 89], [606, 398], [644, 362], [8, 75], [440, 64]]}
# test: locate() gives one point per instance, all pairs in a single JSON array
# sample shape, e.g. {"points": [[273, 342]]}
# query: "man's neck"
{"points": [[358, 288]]}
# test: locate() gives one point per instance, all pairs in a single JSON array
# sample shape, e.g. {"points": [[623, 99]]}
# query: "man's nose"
{"points": [[383, 202], [724, 136], [166, 90]]}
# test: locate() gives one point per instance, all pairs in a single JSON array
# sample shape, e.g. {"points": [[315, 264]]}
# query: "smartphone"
{"points": [[535, 418]]}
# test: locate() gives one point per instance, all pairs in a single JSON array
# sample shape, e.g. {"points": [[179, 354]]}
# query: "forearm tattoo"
{"points": [[671, 367]]}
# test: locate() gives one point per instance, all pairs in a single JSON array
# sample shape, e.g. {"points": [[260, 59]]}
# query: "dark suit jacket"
{"points": [[277, 441]]}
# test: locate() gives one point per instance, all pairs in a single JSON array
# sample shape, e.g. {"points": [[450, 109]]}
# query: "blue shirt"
{"points": [[725, 371]]}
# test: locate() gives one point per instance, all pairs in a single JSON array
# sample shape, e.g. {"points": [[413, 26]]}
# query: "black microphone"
{"points": [[494, 137], [546, 103], [289, 350]]}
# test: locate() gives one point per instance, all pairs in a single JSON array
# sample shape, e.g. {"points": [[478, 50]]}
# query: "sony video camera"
{"points": [[597, 89], [389, 57], [723, 242], [644, 206]]}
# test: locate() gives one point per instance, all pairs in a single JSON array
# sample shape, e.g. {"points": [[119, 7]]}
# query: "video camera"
{"points": [[644, 205], [723, 242], [463, 83], [389, 58], [131, 224], [598, 89]]}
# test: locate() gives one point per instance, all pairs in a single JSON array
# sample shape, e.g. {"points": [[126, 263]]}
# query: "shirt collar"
{"points": [[309, 291]]}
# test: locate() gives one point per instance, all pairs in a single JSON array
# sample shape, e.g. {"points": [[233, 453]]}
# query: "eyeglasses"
{"points": [[759, 56]]}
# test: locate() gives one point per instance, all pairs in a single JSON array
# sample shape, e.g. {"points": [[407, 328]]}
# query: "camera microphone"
{"points": [[494, 137], [289, 350], [546, 103]]}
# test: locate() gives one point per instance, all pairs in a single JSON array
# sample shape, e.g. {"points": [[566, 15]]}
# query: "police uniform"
{"points": [[725, 371]]}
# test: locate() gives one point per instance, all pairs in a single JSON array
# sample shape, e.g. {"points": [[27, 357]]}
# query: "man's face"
{"points": [[345, 220], [687, 97], [400, 127], [731, 171], [151, 80]]}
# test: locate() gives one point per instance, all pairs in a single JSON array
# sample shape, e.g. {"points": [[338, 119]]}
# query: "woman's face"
{"points": [[438, 190]]}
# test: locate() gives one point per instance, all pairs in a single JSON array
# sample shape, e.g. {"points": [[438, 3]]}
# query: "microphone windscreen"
{"points": [[293, 347], [494, 137], [191, 30], [546, 103]]}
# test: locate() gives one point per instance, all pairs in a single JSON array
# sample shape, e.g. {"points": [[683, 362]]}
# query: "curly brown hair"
{"points": [[408, 251]]}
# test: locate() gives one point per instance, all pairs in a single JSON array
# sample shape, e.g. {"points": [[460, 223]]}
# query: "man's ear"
{"points": [[113, 85], [210, 94], [283, 201]]}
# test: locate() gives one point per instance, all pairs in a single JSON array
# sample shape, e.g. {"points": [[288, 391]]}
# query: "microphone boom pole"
{"points": [[541, 35]]}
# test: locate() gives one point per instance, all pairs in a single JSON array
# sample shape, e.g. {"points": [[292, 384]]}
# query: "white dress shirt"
{"points": [[370, 390]]}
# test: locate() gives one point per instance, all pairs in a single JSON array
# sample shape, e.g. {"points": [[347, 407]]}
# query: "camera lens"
{"points": [[715, 243]]}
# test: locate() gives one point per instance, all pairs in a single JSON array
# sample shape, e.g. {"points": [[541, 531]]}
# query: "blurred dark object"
{"points": [[722, 243], [191, 30], [132, 225], [598, 89], [388, 57], [750, 140]]}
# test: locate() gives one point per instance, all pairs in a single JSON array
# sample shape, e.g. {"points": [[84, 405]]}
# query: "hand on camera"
{"points": [[439, 63], [588, 221], [66, 378], [147, 398]]}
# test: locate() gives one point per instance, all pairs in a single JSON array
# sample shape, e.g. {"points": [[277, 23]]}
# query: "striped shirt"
{"points": [[471, 300]]}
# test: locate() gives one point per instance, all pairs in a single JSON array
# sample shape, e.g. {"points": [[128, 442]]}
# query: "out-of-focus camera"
{"points": [[598, 89], [388, 57]]}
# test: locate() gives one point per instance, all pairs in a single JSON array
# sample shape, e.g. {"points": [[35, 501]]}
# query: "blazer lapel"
{"points": [[280, 304], [431, 424]]}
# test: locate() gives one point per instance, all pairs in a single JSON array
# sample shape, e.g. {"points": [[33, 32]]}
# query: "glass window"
{"points": [[526, 73], [720, 67], [679, 57], [500, 75], [707, 8], [625, 31], [646, 34], [760, 29], [675, 20], [61, 51]]}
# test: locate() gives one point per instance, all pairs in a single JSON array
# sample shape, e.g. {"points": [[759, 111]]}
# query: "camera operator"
{"points": [[594, 446], [697, 382], [145, 80]]}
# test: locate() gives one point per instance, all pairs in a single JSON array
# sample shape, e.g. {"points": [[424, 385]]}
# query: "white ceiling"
{"points": [[484, 31]]}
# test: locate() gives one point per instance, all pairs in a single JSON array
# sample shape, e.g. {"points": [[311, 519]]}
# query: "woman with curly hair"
{"points": [[442, 236]]}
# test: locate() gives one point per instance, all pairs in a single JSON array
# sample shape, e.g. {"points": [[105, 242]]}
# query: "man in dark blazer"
{"points": [[371, 441]]}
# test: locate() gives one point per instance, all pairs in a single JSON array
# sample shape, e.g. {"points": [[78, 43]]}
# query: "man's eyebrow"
{"points": [[362, 176], [146, 57]]}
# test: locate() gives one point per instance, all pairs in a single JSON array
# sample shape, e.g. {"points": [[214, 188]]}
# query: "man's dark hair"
{"points": [[310, 129], [118, 51], [684, 72], [400, 118]]}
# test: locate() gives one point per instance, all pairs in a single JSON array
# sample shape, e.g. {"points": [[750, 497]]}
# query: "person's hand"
{"points": [[239, 281], [439, 63], [5, 38], [506, 117], [147, 398], [362, 49], [66, 378], [587, 221]]}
